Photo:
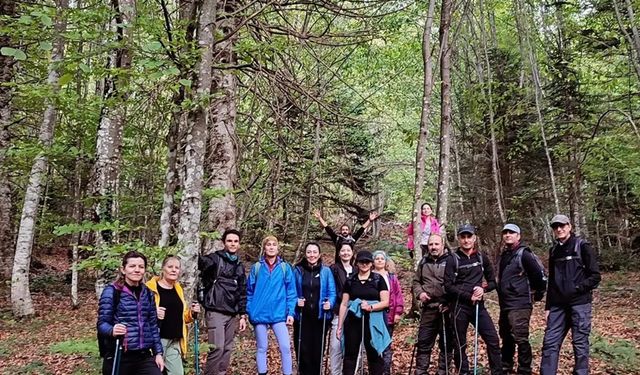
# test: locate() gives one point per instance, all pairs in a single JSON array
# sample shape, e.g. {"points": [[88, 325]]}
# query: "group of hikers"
{"points": [[353, 305]]}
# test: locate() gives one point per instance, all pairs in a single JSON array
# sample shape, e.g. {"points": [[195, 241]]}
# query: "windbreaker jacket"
{"points": [[327, 290], [516, 278], [138, 315], [573, 273], [186, 314], [429, 278], [271, 294], [224, 282], [396, 301], [459, 283]]}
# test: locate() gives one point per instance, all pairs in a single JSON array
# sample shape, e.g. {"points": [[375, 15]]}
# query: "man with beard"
{"points": [[428, 288]]}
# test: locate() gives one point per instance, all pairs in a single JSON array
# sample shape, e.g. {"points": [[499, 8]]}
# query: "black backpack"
{"points": [[107, 344]]}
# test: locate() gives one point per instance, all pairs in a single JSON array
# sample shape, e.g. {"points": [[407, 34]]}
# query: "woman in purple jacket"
{"points": [[396, 301], [127, 311]]}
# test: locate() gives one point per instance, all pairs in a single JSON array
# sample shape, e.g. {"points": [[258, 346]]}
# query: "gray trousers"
{"points": [[561, 319], [221, 330]]}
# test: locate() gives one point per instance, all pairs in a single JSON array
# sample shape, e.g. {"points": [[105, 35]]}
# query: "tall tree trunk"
{"points": [[634, 43], [311, 182], [223, 148], [521, 23], [20, 294], [195, 148], [421, 148], [495, 166], [187, 12], [445, 111], [7, 9], [109, 139]]}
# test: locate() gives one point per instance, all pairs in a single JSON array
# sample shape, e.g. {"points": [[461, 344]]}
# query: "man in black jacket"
{"points": [[345, 235], [519, 272], [225, 301], [428, 288], [573, 274], [463, 282]]}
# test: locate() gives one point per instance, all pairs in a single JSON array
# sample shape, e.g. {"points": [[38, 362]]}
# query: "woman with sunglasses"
{"points": [[364, 298]]}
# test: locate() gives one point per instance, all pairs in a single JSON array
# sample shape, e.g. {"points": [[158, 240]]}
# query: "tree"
{"points": [[7, 9], [20, 293]]}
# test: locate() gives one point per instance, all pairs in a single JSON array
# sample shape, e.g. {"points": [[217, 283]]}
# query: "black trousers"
{"points": [[139, 362], [514, 330], [431, 328], [352, 328], [463, 314], [310, 352]]}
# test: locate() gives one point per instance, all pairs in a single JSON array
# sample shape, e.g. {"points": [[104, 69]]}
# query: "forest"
{"points": [[155, 125]]}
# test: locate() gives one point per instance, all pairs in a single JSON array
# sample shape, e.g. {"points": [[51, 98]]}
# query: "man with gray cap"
{"points": [[463, 283], [573, 274], [519, 272]]}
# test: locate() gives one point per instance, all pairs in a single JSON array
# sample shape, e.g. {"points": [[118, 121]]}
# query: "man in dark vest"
{"points": [[519, 272], [573, 275], [345, 235]]}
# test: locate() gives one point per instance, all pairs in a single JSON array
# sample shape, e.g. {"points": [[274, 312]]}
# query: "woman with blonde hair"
{"points": [[173, 314], [271, 302]]}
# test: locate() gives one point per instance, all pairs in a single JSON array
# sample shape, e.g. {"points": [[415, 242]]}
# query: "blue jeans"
{"points": [[560, 320], [282, 336]]}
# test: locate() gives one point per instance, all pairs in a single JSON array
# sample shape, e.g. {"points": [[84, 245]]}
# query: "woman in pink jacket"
{"points": [[396, 301], [428, 225]]}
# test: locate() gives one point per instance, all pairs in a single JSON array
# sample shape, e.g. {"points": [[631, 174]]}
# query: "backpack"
{"points": [[107, 344], [456, 259], [576, 249], [518, 256], [256, 267]]}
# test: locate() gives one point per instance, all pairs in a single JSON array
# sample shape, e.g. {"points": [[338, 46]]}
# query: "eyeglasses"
{"points": [[508, 232], [555, 226]]}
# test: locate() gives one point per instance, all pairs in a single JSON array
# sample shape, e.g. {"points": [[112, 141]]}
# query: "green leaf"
{"points": [[45, 46], [185, 82], [84, 67], [13, 52], [68, 77], [153, 46], [46, 20], [26, 20]]}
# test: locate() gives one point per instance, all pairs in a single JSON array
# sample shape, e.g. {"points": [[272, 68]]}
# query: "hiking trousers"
{"points": [[463, 314], [560, 320], [134, 362], [221, 329], [514, 331], [431, 328]]}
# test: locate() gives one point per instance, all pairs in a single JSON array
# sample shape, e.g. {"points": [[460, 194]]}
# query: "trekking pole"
{"points": [[299, 340], [324, 327], [196, 346], [475, 343], [362, 348], [444, 339], [115, 369], [413, 356]]}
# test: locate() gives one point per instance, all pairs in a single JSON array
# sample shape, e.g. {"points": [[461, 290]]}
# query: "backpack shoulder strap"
{"points": [[578, 249], [519, 255]]}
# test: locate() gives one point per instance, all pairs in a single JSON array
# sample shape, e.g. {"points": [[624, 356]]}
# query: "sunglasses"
{"points": [[555, 226], [366, 261]]}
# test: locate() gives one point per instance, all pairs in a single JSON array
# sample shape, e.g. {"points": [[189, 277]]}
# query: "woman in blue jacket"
{"points": [[127, 311], [271, 302], [316, 297]]}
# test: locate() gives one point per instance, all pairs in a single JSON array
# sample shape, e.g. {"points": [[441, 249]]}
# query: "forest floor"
{"points": [[61, 340]]}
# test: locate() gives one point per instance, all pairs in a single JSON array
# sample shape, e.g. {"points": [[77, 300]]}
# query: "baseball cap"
{"points": [[560, 219], [466, 228], [364, 256], [512, 228]]}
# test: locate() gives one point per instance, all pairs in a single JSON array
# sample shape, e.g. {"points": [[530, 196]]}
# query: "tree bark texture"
{"points": [[421, 147], [223, 143], [195, 148], [7, 9], [21, 302], [634, 43], [109, 138], [445, 111]]}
